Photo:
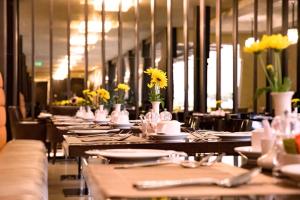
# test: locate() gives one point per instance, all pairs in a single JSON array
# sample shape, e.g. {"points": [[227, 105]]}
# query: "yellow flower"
{"points": [[103, 94], [122, 86], [277, 42], [92, 93], [159, 78], [149, 71], [270, 66], [255, 47], [296, 100], [85, 92]]}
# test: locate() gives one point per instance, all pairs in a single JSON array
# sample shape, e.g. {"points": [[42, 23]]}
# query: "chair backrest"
{"points": [[14, 119], [3, 135], [22, 105]]}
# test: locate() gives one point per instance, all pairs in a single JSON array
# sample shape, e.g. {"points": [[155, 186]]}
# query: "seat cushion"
{"points": [[24, 170]]}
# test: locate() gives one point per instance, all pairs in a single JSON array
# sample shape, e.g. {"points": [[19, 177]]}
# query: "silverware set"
{"points": [[183, 163], [201, 135], [233, 181]]}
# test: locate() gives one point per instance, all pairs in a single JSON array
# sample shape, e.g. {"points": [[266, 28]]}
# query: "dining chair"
{"points": [[22, 129]]}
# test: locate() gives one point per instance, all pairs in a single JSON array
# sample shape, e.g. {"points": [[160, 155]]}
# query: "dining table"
{"points": [[128, 183], [74, 146]]}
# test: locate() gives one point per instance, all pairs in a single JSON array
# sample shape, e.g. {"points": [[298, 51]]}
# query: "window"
{"points": [[226, 76], [178, 76]]}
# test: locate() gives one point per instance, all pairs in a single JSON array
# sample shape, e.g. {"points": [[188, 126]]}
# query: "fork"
{"points": [[229, 182]]}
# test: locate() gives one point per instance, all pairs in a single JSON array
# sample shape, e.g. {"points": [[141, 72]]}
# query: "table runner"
{"points": [[104, 181]]}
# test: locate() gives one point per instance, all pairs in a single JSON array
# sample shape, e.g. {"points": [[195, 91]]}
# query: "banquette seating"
{"points": [[23, 164]]}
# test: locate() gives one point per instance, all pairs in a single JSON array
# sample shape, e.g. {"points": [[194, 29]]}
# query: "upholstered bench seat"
{"points": [[24, 170]]}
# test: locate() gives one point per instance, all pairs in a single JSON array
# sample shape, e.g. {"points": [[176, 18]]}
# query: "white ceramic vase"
{"points": [[155, 106], [282, 102], [118, 107], [101, 107]]}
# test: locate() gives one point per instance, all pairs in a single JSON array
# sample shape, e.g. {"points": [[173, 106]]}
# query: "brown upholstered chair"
{"points": [[2, 115], [25, 129]]}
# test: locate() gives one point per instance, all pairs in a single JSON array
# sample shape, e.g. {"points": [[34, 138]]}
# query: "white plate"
{"points": [[131, 154], [234, 135], [135, 121], [292, 171], [122, 126], [89, 131], [179, 136], [248, 151], [102, 121]]}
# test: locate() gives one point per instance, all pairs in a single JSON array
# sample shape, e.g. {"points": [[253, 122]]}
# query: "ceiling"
{"points": [[77, 14]]}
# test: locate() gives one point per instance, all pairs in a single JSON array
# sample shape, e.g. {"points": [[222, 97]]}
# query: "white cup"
{"points": [[256, 138]]}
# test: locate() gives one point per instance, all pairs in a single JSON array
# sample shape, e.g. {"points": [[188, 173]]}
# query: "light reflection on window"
{"points": [[178, 76], [226, 76]]}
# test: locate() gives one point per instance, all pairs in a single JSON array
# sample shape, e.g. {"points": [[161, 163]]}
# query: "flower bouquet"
{"points": [[158, 81], [278, 85], [121, 90]]}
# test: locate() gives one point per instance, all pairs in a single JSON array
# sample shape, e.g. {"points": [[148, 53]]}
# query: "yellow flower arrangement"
{"points": [[218, 103], [295, 102], [121, 89], [103, 95], [122, 86], [158, 80], [276, 43], [90, 97], [74, 101]]}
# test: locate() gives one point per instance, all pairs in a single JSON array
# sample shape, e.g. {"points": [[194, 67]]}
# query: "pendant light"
{"points": [[292, 32]]}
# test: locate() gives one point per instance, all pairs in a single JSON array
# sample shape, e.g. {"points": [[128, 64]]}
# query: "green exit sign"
{"points": [[38, 63]]}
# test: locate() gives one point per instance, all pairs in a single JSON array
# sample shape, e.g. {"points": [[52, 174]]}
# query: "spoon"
{"points": [[229, 182]]}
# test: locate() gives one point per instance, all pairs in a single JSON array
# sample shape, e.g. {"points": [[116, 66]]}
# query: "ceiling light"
{"points": [[292, 34]]}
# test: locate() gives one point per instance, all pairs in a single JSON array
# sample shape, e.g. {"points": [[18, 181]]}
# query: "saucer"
{"points": [[160, 136], [292, 171], [122, 126], [248, 152]]}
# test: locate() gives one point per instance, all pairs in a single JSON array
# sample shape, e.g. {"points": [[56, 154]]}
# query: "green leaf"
{"points": [[260, 91], [286, 85]]}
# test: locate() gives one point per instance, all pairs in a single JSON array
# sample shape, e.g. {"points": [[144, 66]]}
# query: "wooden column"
{"points": [[51, 49], [32, 58], [69, 94], [170, 88], [235, 42], [15, 51], [255, 61], [204, 49], [284, 29], [86, 53], [218, 48], [137, 57], [153, 2], [120, 47], [186, 56], [103, 48], [298, 51], [269, 53]]}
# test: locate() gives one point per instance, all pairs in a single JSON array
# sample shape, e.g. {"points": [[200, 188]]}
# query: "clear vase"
{"points": [[282, 102]]}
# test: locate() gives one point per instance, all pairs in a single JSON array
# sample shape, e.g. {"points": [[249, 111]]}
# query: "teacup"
{"points": [[168, 127]]}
